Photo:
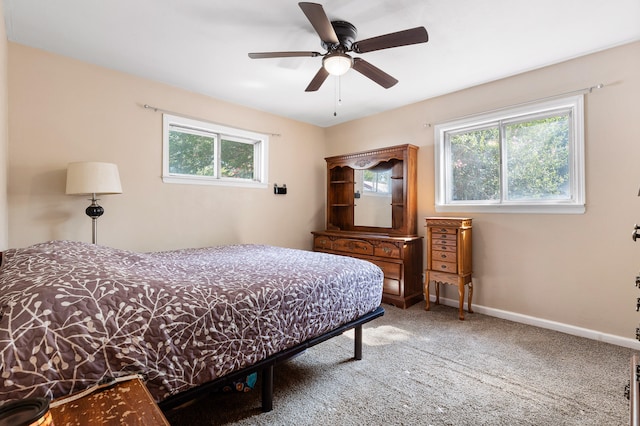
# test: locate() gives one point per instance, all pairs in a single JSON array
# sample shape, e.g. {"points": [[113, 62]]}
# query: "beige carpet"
{"points": [[429, 368]]}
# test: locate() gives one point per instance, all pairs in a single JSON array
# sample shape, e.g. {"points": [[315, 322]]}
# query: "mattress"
{"points": [[72, 313]]}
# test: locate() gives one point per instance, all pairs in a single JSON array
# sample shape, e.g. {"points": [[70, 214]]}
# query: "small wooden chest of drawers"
{"points": [[400, 259], [449, 257]]}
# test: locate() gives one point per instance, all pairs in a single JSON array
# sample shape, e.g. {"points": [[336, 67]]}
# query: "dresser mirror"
{"points": [[373, 197]]}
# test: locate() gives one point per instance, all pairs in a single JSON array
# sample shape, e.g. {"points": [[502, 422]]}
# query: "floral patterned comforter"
{"points": [[74, 313]]}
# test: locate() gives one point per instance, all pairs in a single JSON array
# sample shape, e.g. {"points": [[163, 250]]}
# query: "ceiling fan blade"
{"points": [[374, 73], [315, 14], [400, 38], [264, 55], [317, 81]]}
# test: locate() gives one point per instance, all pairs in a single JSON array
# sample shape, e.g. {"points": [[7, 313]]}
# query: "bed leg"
{"points": [[358, 342], [267, 388]]}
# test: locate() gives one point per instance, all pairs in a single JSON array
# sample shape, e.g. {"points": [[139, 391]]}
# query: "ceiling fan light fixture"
{"points": [[337, 63]]}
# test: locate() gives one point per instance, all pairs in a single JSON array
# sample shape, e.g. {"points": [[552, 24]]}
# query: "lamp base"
{"points": [[94, 211]]}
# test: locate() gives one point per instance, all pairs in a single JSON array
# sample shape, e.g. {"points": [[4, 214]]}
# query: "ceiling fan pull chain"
{"points": [[337, 95]]}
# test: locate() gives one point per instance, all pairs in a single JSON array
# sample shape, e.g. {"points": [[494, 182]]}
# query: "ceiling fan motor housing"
{"points": [[346, 33]]}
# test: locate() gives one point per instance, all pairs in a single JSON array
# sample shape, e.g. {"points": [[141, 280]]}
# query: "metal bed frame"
{"points": [[266, 366]]}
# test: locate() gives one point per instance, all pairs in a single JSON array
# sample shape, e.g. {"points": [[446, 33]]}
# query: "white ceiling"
{"points": [[202, 45]]}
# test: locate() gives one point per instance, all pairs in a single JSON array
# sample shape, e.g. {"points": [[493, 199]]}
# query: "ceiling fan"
{"points": [[338, 38]]}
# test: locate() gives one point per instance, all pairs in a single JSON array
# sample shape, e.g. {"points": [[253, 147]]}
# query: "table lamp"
{"points": [[93, 178]]}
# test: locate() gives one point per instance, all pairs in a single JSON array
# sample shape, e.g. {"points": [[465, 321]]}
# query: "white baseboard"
{"points": [[543, 323]]}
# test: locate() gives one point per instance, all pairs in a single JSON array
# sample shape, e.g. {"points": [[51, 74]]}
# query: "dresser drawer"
{"points": [[440, 236], [390, 270], [443, 246], [444, 256], [443, 242], [353, 246], [387, 250], [391, 287], [437, 265], [443, 230], [321, 243], [392, 277], [442, 277]]}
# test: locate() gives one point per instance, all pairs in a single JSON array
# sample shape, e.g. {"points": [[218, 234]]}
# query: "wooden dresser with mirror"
{"points": [[372, 215]]}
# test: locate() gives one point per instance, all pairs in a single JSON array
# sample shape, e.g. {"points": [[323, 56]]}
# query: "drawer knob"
{"points": [[444, 256]]}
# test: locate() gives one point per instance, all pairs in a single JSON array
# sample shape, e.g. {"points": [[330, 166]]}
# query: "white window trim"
{"points": [[261, 158], [574, 206]]}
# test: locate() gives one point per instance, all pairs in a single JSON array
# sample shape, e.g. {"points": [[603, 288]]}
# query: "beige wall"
{"points": [[572, 269], [62, 110], [4, 134]]}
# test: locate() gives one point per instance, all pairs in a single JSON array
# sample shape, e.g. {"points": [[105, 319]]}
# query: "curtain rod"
{"points": [[573, 92], [156, 109], [546, 98]]}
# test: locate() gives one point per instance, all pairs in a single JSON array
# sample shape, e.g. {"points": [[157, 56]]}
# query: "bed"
{"points": [[74, 314]]}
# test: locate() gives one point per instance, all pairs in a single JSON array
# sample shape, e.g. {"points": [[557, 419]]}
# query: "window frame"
{"points": [[505, 116], [218, 132]]}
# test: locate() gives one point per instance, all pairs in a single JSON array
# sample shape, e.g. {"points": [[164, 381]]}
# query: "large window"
{"points": [[526, 159], [198, 152]]}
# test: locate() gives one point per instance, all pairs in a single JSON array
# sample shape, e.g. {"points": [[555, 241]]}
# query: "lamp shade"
{"points": [[89, 177]]}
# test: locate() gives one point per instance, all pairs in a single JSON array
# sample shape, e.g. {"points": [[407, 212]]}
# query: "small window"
{"points": [[197, 152], [525, 159]]}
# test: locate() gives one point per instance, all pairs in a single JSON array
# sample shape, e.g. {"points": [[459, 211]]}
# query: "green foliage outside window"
{"points": [[191, 154], [236, 159], [538, 159], [534, 161], [475, 162]]}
